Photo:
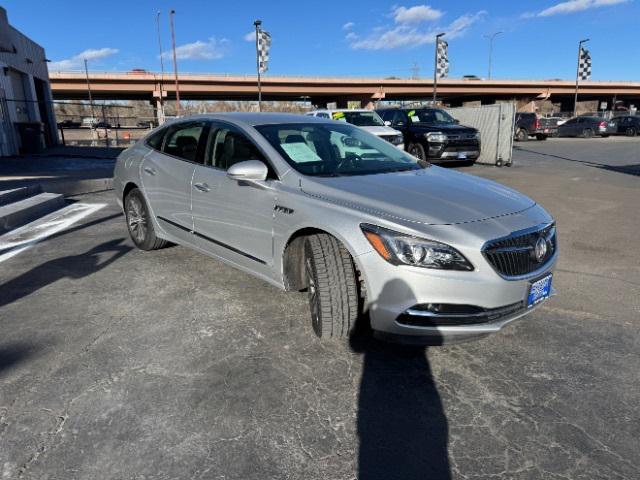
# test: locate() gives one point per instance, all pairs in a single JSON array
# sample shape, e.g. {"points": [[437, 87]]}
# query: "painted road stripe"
{"points": [[23, 238]]}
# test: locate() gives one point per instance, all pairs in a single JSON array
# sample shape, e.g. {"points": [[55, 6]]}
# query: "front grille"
{"points": [[515, 255]]}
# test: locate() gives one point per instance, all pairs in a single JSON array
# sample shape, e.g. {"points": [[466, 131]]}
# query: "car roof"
{"points": [[256, 118], [341, 110]]}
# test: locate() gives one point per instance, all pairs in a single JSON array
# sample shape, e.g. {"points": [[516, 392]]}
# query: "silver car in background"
{"points": [[430, 255]]}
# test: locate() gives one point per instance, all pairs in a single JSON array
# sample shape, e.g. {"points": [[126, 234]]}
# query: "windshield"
{"points": [[361, 119], [326, 149], [430, 115]]}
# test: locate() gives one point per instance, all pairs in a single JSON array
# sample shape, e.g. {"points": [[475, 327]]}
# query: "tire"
{"points": [[417, 151], [631, 132], [541, 136], [587, 133], [333, 292], [521, 135], [139, 222]]}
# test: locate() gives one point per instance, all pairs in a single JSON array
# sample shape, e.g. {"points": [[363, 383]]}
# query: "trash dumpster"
{"points": [[31, 136]]}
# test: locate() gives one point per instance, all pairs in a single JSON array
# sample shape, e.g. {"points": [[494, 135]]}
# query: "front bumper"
{"points": [[464, 150], [396, 293]]}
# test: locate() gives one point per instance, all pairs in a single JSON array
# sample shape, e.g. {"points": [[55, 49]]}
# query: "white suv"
{"points": [[368, 120]]}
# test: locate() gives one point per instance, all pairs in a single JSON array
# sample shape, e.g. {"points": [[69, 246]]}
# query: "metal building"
{"points": [[27, 119]]}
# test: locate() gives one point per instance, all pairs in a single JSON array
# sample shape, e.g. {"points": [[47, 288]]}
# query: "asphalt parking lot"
{"points": [[122, 364]]}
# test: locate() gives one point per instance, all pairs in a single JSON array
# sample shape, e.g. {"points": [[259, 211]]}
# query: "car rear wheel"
{"points": [[139, 222], [417, 151], [631, 132], [587, 133], [522, 135], [332, 287]]}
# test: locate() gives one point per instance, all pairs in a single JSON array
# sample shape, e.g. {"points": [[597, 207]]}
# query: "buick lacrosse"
{"points": [[310, 204]]}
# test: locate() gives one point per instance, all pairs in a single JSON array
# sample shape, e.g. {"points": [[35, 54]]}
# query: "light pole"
{"points": [[435, 68], [575, 98], [257, 24], [491, 37], [161, 69], [86, 73], [175, 61]]}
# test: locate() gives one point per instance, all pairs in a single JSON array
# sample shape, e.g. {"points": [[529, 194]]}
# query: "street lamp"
{"points": [[172, 12], [575, 98], [490, 38], [161, 70], [435, 68]]}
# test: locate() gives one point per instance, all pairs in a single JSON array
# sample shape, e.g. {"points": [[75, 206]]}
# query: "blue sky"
{"points": [[348, 37]]}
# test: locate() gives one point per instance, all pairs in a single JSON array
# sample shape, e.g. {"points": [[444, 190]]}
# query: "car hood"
{"points": [[381, 130], [433, 196], [451, 129]]}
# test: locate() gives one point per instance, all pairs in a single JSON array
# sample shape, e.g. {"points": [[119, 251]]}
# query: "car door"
{"points": [[166, 177], [233, 219]]}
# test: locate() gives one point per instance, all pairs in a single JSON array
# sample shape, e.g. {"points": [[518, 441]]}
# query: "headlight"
{"points": [[436, 137], [396, 139], [401, 249]]}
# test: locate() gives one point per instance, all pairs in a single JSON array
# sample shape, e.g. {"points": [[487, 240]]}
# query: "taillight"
{"points": [[603, 124], [537, 124]]}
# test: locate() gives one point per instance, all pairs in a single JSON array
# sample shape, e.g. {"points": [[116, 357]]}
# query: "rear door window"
{"points": [[183, 139]]}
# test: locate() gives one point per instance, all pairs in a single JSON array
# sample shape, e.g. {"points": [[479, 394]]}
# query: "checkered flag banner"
{"points": [[264, 43], [584, 67], [442, 59]]}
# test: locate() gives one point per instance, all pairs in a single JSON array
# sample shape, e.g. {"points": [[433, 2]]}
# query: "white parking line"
{"points": [[23, 238]]}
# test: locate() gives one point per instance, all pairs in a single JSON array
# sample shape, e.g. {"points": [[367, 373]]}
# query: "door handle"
{"points": [[150, 171], [203, 187]]}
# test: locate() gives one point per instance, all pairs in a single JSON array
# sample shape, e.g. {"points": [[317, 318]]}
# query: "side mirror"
{"points": [[456, 121], [248, 171], [387, 123]]}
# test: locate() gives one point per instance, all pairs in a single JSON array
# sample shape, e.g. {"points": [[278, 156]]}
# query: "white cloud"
{"points": [[573, 6], [348, 26], [250, 37], [77, 61], [410, 36], [212, 49], [417, 14]]}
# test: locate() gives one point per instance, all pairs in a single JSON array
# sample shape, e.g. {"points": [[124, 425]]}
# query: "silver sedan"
{"points": [[425, 254]]}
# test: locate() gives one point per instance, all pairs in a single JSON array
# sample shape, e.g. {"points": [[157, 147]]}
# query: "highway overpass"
{"points": [[320, 90]]}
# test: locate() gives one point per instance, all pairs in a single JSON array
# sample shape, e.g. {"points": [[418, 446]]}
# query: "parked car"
{"points": [[366, 119], [585, 127], [68, 124], [102, 125], [529, 125], [146, 124], [432, 134], [625, 125], [431, 254]]}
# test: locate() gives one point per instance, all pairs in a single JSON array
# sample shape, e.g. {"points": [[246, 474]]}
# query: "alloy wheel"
{"points": [[137, 220]]}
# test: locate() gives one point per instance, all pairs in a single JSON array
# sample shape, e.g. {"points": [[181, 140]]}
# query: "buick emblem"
{"points": [[540, 249]]}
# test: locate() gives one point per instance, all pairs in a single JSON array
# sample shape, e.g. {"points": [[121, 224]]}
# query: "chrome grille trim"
{"points": [[511, 256]]}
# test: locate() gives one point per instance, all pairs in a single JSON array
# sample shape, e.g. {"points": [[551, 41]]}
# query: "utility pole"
{"points": [[575, 98], [257, 24], [161, 69], [491, 37], [435, 69], [175, 61], [415, 71], [86, 72]]}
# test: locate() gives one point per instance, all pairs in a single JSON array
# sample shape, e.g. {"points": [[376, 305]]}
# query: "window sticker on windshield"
{"points": [[339, 116], [300, 152], [412, 115]]}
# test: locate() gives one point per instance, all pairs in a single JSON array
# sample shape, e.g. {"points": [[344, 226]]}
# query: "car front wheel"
{"points": [[587, 133], [631, 132], [417, 151], [332, 287], [139, 222], [522, 135]]}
